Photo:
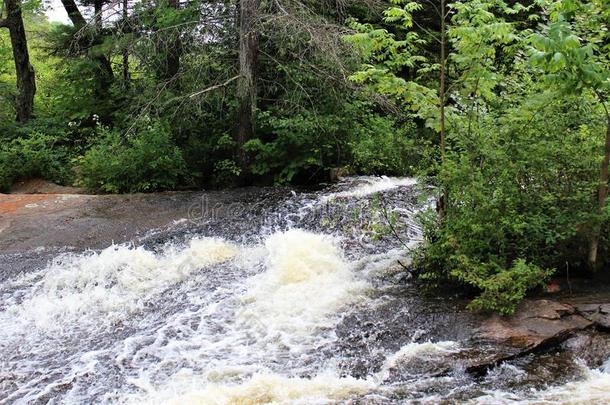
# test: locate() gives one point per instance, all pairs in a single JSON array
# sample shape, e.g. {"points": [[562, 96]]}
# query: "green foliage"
{"points": [[145, 161], [383, 146], [36, 155], [309, 118], [304, 142], [518, 195], [389, 54], [522, 153], [312, 142], [570, 64], [226, 171], [504, 290]]}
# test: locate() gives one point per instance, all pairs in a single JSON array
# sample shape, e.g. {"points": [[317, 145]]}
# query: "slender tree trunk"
{"points": [[442, 203], [602, 194], [246, 85], [74, 13], [26, 78], [125, 50], [98, 14]]}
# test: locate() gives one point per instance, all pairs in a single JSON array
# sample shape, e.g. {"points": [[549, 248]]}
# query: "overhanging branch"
{"points": [[214, 87]]}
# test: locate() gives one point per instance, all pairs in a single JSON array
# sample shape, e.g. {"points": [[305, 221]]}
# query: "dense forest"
{"points": [[501, 105]]}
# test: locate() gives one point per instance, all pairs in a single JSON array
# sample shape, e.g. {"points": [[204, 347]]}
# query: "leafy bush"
{"points": [[37, 155], [504, 290], [301, 142], [352, 135], [146, 161], [520, 202], [380, 146]]}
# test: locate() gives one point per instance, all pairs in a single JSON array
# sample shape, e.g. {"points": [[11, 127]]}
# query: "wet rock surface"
{"points": [[536, 323], [545, 335], [536, 326], [36, 227], [598, 313]]}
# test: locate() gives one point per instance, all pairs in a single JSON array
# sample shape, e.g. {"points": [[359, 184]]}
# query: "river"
{"points": [[297, 299]]}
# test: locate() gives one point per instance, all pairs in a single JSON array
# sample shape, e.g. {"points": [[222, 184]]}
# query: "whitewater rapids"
{"points": [[258, 313]]}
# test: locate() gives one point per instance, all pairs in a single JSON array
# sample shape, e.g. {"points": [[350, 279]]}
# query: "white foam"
{"points": [[115, 281], [306, 279], [374, 185], [283, 310], [259, 389]]}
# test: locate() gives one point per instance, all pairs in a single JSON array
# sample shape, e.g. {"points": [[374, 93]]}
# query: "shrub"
{"points": [[351, 135], [519, 203], [146, 161], [302, 142], [380, 146], [37, 155]]}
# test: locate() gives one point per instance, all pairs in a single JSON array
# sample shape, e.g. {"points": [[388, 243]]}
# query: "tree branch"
{"points": [[74, 13], [4, 23], [214, 87]]}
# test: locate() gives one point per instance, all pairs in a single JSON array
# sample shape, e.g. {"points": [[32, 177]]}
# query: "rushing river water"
{"points": [[298, 299]]}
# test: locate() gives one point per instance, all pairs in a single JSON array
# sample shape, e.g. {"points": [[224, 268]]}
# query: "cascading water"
{"points": [[298, 300]]}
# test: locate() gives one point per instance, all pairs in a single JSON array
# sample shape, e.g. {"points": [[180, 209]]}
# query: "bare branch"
{"points": [[217, 86]]}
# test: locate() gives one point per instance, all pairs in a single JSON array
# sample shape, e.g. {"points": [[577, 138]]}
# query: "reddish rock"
{"points": [[534, 324], [537, 325]]}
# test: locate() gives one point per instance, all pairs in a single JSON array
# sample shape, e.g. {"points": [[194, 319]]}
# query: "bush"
{"points": [[37, 155], [519, 203], [146, 161], [504, 290], [380, 146], [351, 135], [292, 145]]}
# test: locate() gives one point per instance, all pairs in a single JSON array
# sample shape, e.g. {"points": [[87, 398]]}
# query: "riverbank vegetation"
{"points": [[501, 105]]}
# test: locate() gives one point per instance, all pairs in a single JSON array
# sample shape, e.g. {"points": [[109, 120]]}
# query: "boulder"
{"points": [[598, 313], [535, 326], [536, 323]]}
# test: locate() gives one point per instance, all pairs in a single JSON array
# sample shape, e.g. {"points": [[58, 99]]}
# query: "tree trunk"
{"points": [[246, 85], [602, 196], [74, 13], [98, 14], [125, 50], [442, 203], [26, 78]]}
